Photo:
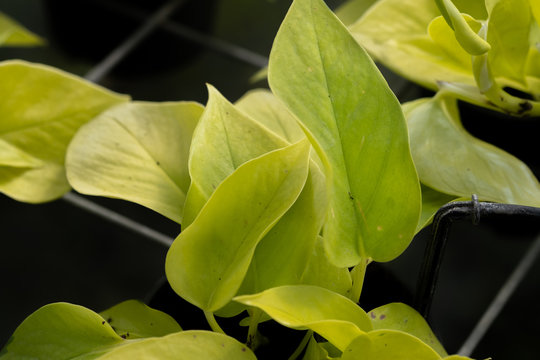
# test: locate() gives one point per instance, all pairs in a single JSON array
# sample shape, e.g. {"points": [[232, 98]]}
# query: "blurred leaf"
{"points": [[395, 32], [333, 316], [508, 33], [388, 345], [132, 319], [137, 152], [352, 10], [355, 123], [314, 351], [41, 110], [450, 160], [14, 34], [208, 261], [398, 316]]}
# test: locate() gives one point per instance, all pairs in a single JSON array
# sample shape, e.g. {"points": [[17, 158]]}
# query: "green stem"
{"points": [[358, 273], [301, 346], [212, 322], [255, 316]]}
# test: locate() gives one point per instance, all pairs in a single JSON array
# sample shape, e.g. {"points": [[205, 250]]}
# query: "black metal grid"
{"points": [[433, 257]]}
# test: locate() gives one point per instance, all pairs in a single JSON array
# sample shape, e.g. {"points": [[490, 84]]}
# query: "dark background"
{"points": [[57, 252]]}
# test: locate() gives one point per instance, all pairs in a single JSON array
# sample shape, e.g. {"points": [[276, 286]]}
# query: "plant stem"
{"points": [[358, 273], [255, 316], [212, 322], [301, 346]]}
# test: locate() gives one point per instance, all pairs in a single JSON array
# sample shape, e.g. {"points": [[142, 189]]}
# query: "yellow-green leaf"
{"points": [[40, 111], [388, 345], [138, 152], [132, 319], [356, 125], [333, 316], [472, 166], [398, 316], [208, 261], [14, 34]]}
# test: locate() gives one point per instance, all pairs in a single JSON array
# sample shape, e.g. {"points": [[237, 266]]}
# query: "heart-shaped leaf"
{"points": [[137, 152], [207, 263], [41, 110], [355, 123]]}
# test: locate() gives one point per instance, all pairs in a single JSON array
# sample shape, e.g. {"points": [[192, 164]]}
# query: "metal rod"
{"points": [[107, 64], [118, 219], [442, 221], [501, 299], [212, 43]]}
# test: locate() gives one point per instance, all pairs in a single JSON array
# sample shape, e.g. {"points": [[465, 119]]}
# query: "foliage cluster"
{"points": [[280, 193]]}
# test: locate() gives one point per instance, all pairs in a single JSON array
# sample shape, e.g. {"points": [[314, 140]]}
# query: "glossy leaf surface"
{"points": [[14, 34], [355, 123], [132, 319], [41, 111], [137, 152], [208, 261], [333, 316], [388, 345], [473, 166], [224, 139], [398, 316], [61, 331], [186, 345]]}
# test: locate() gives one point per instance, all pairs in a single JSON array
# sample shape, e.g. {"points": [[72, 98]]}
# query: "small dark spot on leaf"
{"points": [[103, 322], [194, 336], [123, 336], [157, 163], [109, 320], [524, 106], [350, 196], [502, 99], [373, 316], [151, 324], [222, 345], [243, 349], [219, 278], [382, 317]]}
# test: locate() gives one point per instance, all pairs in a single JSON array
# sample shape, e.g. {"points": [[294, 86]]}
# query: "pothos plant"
{"points": [[278, 195]]}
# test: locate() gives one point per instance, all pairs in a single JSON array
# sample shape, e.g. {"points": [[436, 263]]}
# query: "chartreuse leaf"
{"points": [[13, 34], [398, 316], [400, 41], [41, 111], [535, 8], [262, 106], [61, 331], [320, 272], [457, 357], [357, 127], [333, 316], [465, 34], [64, 331], [224, 139], [186, 345], [473, 166], [388, 345], [508, 33], [352, 10], [208, 261], [138, 152], [314, 351], [132, 319]]}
